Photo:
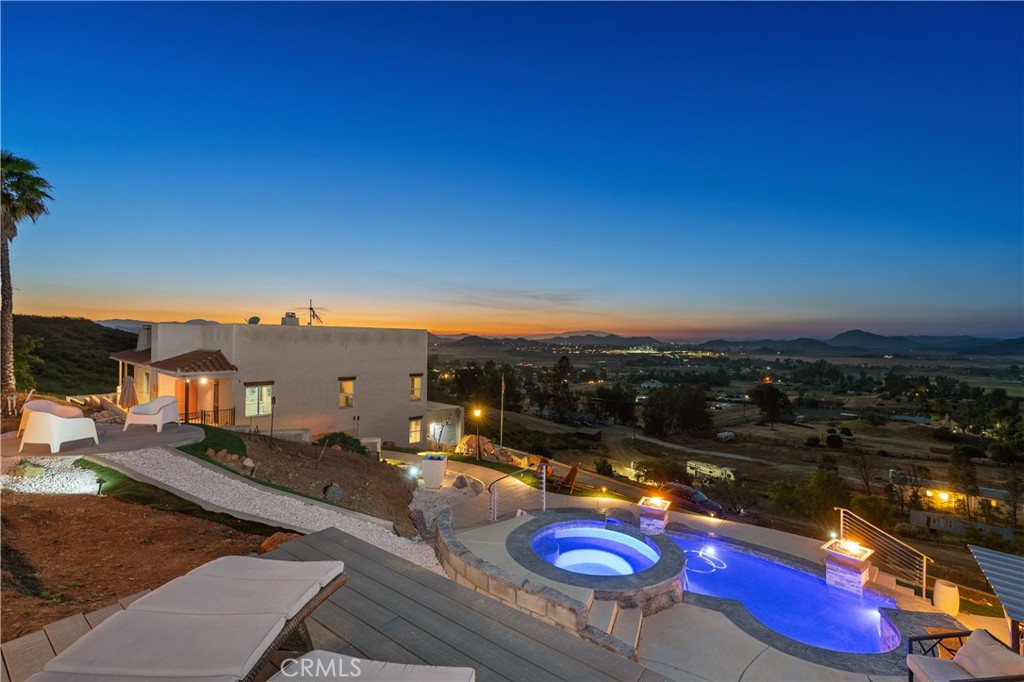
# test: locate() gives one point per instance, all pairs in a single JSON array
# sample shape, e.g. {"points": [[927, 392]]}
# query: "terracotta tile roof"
{"points": [[195, 362], [135, 357]]}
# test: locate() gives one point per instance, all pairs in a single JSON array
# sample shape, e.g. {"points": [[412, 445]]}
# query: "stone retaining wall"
{"points": [[540, 601]]}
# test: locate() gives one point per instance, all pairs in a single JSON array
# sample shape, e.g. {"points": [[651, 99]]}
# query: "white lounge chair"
{"points": [[43, 427], [980, 657], [48, 406], [221, 622], [162, 410]]}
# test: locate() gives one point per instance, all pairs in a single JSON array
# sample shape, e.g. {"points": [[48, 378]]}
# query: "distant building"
{"points": [[367, 382], [652, 385]]}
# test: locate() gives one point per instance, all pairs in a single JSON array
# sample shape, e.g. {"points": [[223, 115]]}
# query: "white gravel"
{"points": [[61, 478], [187, 475]]}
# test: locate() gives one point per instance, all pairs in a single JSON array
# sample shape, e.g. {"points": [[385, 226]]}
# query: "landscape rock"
{"points": [[210, 452], [28, 470], [248, 463], [460, 482], [275, 541], [233, 458], [336, 447], [333, 493]]}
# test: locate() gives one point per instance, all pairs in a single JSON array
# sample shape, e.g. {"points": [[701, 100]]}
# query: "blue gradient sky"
{"points": [[683, 170]]}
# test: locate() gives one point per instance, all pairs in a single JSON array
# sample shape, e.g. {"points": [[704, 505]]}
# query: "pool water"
{"points": [[592, 549], [793, 603]]}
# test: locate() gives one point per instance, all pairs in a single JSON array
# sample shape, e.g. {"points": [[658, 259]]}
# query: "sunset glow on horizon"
{"points": [[675, 170]]}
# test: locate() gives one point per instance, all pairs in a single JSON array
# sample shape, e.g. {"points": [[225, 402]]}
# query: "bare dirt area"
{"points": [[367, 486], [67, 554]]}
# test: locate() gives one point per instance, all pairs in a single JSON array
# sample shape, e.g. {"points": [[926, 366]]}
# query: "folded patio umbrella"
{"points": [[128, 396]]}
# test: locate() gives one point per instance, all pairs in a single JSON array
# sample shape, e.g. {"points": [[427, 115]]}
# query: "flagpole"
{"points": [[501, 426]]}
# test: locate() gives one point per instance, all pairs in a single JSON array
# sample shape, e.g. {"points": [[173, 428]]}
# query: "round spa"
{"points": [[584, 549], [593, 549]]}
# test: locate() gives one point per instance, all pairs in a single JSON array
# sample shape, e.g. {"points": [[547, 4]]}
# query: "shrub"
{"points": [[908, 530], [834, 440], [813, 442], [846, 432], [944, 434], [874, 509], [662, 471], [604, 467], [345, 440]]}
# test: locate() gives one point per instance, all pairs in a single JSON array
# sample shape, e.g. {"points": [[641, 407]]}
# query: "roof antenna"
{"points": [[313, 313]]}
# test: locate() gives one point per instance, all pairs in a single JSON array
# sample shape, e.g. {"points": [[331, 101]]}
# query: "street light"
{"points": [[476, 415]]}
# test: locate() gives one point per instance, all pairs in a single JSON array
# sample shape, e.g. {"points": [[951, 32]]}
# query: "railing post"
{"points": [[494, 504], [544, 487]]}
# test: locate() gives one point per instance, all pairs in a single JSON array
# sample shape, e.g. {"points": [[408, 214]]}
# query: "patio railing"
{"points": [[225, 417], [493, 490], [892, 554]]}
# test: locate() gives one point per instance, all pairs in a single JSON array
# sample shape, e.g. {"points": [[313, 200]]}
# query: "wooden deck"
{"points": [[27, 655], [392, 610]]}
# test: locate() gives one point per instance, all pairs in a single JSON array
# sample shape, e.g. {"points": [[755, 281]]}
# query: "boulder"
{"points": [[333, 493], [460, 482], [233, 458], [28, 470], [275, 541], [210, 452], [336, 447], [248, 463]]}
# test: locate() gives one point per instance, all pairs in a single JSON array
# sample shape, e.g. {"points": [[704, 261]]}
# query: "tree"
{"points": [[24, 197], [963, 479], [735, 496], [673, 410], [1013, 483], [1003, 454], [772, 402], [864, 465], [834, 440]]}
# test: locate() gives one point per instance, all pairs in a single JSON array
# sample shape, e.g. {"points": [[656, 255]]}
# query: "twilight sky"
{"points": [[685, 170]]}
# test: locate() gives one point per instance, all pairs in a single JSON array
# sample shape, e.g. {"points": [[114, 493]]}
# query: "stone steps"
{"points": [[603, 615], [627, 627]]}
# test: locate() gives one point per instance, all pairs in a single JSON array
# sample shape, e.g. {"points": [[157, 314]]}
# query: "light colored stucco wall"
{"points": [[305, 363]]}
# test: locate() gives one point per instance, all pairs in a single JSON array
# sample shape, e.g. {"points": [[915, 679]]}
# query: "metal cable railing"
{"points": [[492, 489], [892, 554]]}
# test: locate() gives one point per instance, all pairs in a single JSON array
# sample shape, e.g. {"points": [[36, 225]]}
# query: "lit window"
{"points": [[415, 429], [346, 391], [415, 386], [258, 398]]}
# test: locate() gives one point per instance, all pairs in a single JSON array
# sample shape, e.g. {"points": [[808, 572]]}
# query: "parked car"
{"points": [[691, 499]]}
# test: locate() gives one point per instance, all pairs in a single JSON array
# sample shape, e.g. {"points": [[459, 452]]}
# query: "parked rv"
{"points": [[726, 436], [702, 471]]}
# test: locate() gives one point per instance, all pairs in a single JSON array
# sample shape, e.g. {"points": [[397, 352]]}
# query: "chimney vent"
{"points": [[290, 320]]}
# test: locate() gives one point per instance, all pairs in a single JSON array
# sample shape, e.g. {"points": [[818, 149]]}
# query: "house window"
{"points": [[415, 386], [258, 398], [346, 391], [415, 429]]}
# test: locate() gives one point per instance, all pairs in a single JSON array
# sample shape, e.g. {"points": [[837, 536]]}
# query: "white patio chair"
{"points": [[162, 410], [48, 406], [44, 427]]}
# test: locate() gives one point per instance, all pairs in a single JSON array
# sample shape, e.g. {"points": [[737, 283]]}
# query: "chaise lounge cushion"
{"points": [[149, 645], [932, 669], [982, 655], [216, 627], [322, 666]]}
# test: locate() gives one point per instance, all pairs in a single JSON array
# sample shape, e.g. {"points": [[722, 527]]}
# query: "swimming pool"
{"points": [[793, 603], [592, 549]]}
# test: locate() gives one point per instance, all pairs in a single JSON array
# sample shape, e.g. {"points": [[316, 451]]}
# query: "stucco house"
{"points": [[306, 380]]}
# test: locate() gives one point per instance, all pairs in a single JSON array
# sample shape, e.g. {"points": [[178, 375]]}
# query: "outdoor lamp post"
{"points": [[476, 415]]}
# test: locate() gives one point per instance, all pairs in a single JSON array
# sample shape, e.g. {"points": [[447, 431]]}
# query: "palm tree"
{"points": [[24, 196]]}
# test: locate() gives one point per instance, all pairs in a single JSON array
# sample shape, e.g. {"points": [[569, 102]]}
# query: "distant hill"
{"points": [[858, 338], [474, 342], [74, 352], [607, 340], [132, 326], [1007, 347]]}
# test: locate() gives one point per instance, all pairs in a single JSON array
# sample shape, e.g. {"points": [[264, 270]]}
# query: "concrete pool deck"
{"points": [[688, 641]]}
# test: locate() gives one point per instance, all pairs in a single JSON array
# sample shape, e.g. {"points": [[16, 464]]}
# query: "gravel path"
{"points": [[432, 502], [183, 473]]}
